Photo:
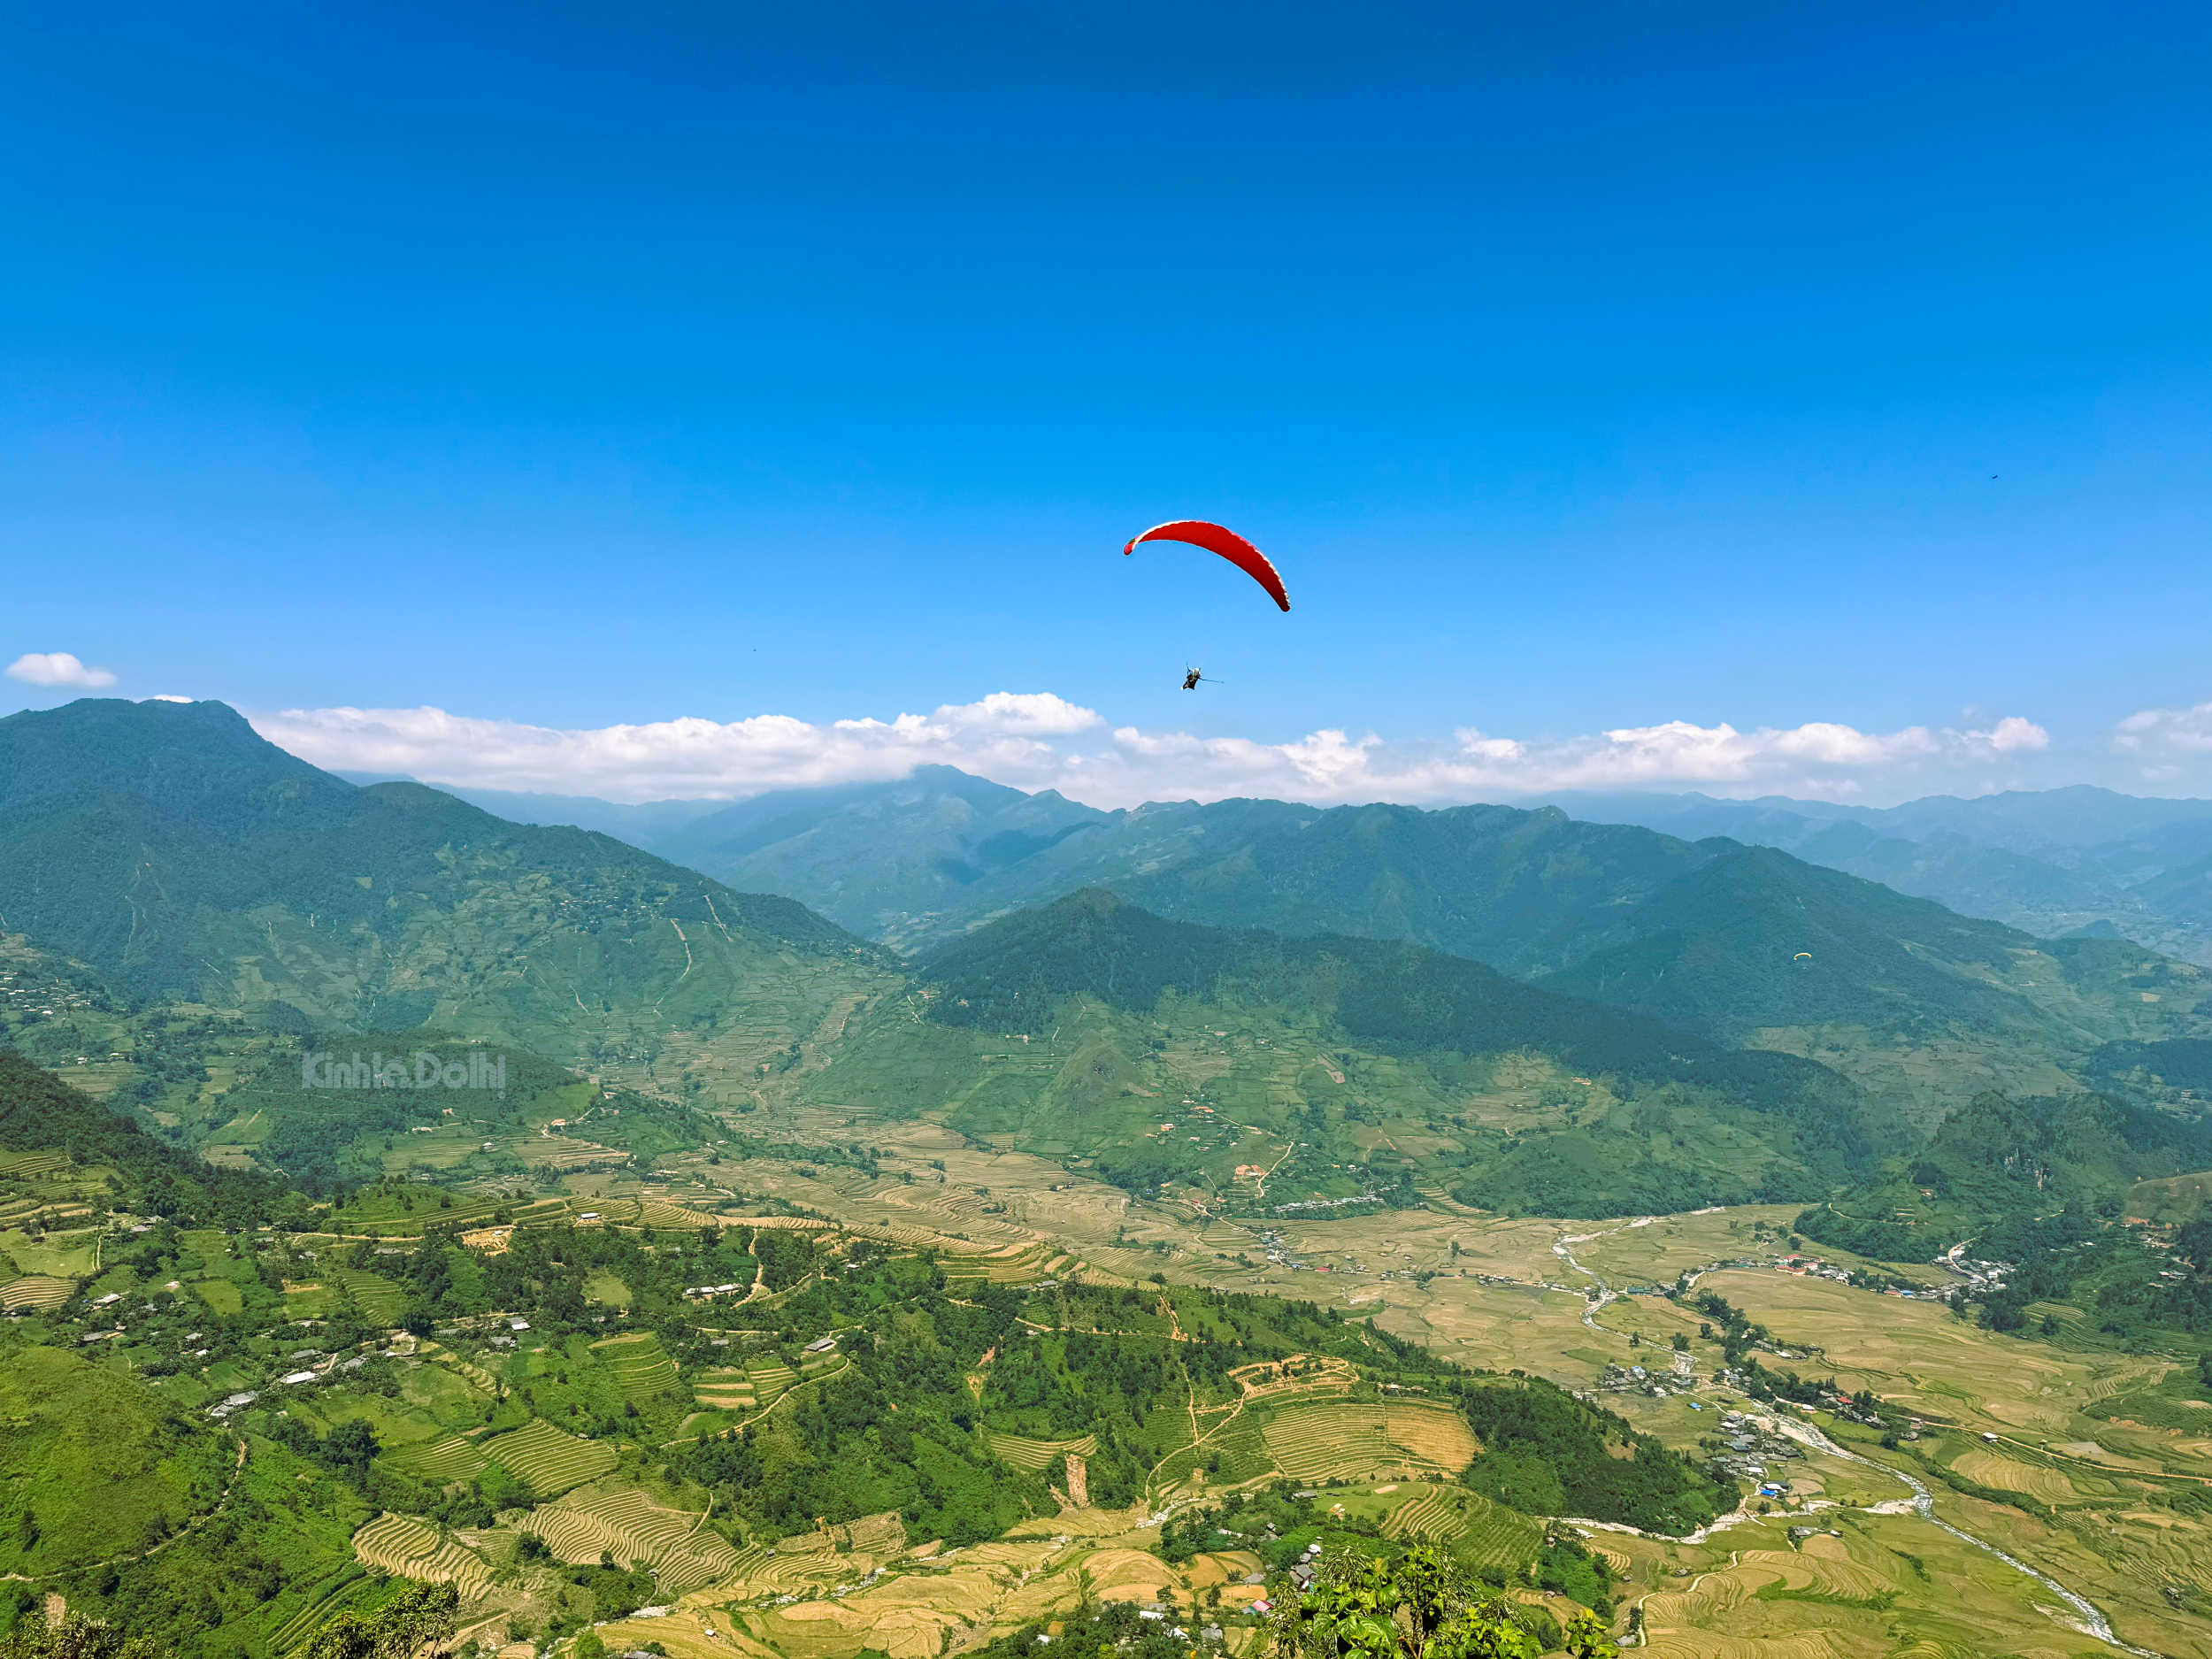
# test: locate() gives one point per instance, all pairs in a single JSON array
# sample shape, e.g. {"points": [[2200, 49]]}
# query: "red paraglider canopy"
{"points": [[1217, 538]]}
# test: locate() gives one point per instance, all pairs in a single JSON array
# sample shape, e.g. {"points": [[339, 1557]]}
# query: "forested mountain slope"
{"points": [[172, 849], [884, 859], [2030, 1197], [1909, 997], [1262, 1070], [2047, 861], [1751, 944]]}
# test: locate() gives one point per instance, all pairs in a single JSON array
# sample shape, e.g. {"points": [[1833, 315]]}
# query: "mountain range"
{"points": [[1734, 938], [2049, 862], [1742, 1019], [903, 861]]}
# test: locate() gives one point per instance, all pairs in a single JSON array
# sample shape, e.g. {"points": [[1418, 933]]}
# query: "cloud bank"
{"points": [[2167, 740], [1035, 739], [58, 668]]}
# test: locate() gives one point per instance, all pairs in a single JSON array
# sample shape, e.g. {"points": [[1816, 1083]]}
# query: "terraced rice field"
{"points": [[637, 1364], [629, 1526], [1004, 1264], [35, 1291], [1428, 1513], [31, 1165], [1435, 1433], [404, 1547], [771, 1381], [659, 1212], [377, 1296], [1243, 1451], [725, 1388], [381, 1221], [1498, 1536], [454, 1458], [1033, 1455], [559, 1151], [468, 1369], [1347, 1440], [496, 1544], [321, 1600], [1992, 1469], [550, 1461]]}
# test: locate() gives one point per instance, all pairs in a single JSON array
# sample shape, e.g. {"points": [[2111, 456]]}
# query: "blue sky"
{"points": [[562, 368]]}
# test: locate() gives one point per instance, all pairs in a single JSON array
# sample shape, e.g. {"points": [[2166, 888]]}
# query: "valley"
{"points": [[1210, 832], [2075, 1431], [1094, 1271]]}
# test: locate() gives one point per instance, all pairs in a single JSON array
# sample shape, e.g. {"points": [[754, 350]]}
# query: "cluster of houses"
{"points": [[1813, 1267], [1329, 1204], [1634, 1379], [324, 1368], [1278, 1252], [1749, 1445], [1979, 1276]]}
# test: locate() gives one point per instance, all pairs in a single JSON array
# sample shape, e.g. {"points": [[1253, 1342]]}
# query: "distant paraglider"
{"points": [[1218, 539]]}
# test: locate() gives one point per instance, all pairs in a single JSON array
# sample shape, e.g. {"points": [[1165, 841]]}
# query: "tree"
{"points": [[1420, 1606], [76, 1637], [350, 1448], [419, 1616], [1586, 1638]]}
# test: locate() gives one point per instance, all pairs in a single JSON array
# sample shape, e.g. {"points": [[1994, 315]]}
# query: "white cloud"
{"points": [[167, 697], [1819, 761], [58, 668], [1036, 740], [2166, 731], [1003, 737]]}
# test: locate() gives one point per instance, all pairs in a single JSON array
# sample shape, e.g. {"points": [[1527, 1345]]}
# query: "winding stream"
{"points": [[2093, 1622]]}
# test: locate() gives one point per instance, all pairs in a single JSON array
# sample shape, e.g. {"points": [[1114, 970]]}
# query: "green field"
{"points": [[219, 1295], [96, 1458], [452, 1458], [1035, 1455], [377, 1297], [639, 1367], [549, 1460]]}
